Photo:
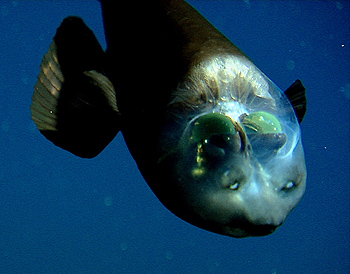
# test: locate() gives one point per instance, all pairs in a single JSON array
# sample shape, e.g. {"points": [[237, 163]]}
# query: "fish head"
{"points": [[238, 168]]}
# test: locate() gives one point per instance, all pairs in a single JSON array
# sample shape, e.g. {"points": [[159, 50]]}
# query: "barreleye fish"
{"points": [[215, 139]]}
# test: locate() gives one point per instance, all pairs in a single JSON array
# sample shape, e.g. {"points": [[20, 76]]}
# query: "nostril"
{"points": [[288, 186], [234, 186], [229, 182]]}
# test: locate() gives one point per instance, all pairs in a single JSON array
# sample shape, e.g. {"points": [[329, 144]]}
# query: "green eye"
{"points": [[208, 132], [212, 124], [262, 122]]}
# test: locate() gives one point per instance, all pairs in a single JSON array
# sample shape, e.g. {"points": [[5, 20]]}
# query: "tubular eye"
{"points": [[210, 126], [210, 134], [264, 131], [213, 149], [261, 122]]}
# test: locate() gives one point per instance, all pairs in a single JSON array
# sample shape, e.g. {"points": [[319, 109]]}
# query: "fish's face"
{"points": [[238, 168], [228, 182]]}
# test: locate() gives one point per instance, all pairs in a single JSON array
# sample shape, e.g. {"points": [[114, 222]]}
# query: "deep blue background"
{"points": [[63, 214]]}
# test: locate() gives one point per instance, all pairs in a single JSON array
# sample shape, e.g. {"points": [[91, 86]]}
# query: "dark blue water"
{"points": [[63, 214]]}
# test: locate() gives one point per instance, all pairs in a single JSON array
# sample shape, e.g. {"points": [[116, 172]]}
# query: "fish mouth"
{"points": [[249, 230]]}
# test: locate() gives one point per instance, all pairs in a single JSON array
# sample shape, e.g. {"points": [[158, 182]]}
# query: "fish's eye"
{"points": [[212, 124], [261, 122], [212, 133]]}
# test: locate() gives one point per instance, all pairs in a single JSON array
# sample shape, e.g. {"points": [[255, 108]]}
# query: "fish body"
{"points": [[215, 139]]}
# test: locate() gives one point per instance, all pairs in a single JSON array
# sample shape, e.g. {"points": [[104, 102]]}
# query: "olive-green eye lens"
{"points": [[262, 122], [212, 124]]}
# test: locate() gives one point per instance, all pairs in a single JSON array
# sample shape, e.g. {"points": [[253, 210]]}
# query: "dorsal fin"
{"points": [[296, 94], [74, 103]]}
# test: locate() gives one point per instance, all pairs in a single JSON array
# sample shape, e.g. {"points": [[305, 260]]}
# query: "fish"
{"points": [[216, 140]]}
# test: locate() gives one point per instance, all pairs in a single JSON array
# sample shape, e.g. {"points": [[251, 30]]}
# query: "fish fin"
{"points": [[74, 104], [296, 94]]}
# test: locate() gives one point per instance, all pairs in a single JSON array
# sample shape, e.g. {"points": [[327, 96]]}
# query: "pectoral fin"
{"points": [[74, 103], [296, 95]]}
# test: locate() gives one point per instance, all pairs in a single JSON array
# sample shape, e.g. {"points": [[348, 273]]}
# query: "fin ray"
{"points": [[296, 94], [74, 104]]}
